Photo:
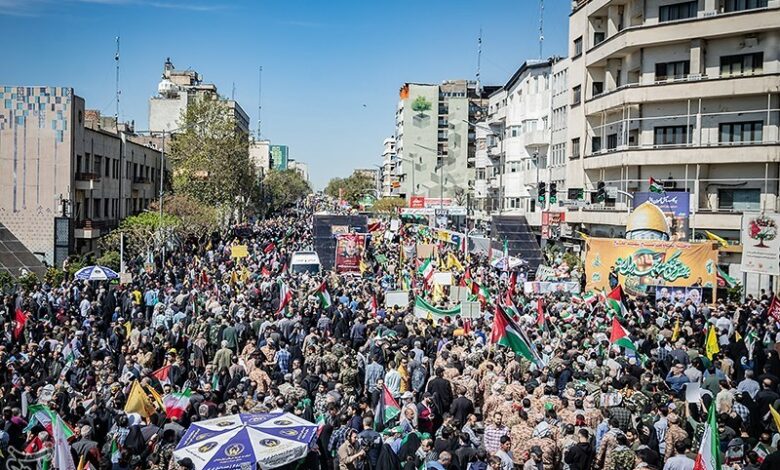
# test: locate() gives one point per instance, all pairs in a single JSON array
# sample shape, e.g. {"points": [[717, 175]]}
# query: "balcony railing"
{"points": [[140, 180], [86, 176], [89, 224], [626, 148]]}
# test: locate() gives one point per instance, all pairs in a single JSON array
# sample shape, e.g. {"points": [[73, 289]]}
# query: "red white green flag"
{"points": [[708, 457], [619, 336], [507, 333], [374, 306], [285, 296], [324, 296], [176, 403], [426, 270], [386, 409], [482, 293]]}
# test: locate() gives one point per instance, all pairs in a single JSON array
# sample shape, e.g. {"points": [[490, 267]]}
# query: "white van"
{"points": [[305, 261]]}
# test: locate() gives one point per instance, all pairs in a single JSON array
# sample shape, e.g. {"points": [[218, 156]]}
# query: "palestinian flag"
{"points": [[466, 278], [423, 309], [285, 296], [264, 271], [482, 293], [616, 302], [512, 282], [507, 333], [655, 186], [176, 403], [509, 307], [43, 415], [163, 375], [620, 337], [324, 296], [426, 270], [386, 410], [708, 457]]}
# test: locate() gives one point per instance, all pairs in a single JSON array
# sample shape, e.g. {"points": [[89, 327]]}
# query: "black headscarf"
{"points": [[387, 459]]}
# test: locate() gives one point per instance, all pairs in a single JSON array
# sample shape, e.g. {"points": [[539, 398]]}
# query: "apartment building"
{"points": [[389, 178], [67, 174], [685, 92], [436, 139]]}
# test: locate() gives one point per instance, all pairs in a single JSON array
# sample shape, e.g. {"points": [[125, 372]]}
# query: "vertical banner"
{"points": [[676, 207], [349, 252], [760, 243]]}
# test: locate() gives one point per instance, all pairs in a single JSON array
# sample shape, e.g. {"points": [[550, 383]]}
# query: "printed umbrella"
{"points": [[505, 263], [267, 440], [95, 273]]}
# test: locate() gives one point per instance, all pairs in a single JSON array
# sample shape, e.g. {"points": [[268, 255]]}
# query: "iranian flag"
{"points": [[708, 457], [482, 293], [176, 403], [655, 186], [43, 415], [386, 409], [507, 333], [163, 375], [324, 296], [285, 296], [61, 432], [423, 309], [619, 336], [426, 270], [539, 312], [616, 302]]}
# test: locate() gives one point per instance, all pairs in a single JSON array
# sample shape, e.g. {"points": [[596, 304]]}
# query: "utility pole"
{"points": [[479, 63], [259, 102], [122, 143], [541, 27]]}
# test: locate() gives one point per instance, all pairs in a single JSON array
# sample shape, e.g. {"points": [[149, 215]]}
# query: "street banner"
{"points": [[774, 308], [349, 252], [760, 243], [676, 207], [678, 294], [442, 279], [641, 265], [425, 250], [397, 298], [545, 287], [545, 273]]}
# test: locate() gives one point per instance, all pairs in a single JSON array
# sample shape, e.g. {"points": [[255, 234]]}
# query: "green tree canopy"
{"points": [[353, 188], [284, 188], [142, 233], [388, 205]]}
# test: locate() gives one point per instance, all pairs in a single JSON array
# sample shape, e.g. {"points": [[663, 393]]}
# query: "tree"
{"points": [[210, 158], [284, 188], [388, 205], [193, 219], [142, 233], [351, 188]]}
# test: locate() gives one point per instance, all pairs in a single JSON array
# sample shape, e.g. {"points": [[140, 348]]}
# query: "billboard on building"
{"points": [[760, 243], [640, 265], [675, 205], [279, 156]]}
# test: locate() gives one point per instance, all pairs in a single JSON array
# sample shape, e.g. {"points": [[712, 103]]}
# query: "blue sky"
{"points": [[331, 69]]}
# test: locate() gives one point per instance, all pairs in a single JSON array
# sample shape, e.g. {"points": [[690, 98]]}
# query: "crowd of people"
{"points": [[464, 402]]}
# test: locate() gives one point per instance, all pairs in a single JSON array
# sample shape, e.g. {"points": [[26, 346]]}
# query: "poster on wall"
{"points": [[760, 243], [640, 265], [676, 207], [349, 252]]}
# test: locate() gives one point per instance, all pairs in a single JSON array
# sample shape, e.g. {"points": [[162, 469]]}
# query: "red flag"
{"points": [[163, 375], [539, 312], [374, 306], [21, 320], [269, 248], [512, 281], [774, 308], [466, 277], [265, 271]]}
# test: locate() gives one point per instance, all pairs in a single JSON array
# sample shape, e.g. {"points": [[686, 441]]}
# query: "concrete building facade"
{"points": [[60, 161], [389, 172]]}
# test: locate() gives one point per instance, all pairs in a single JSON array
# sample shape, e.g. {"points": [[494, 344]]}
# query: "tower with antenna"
{"points": [[541, 28], [118, 91], [479, 61], [259, 102]]}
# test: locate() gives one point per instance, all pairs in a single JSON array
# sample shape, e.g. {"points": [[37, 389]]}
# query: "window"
{"points": [[78, 164], [513, 131], [480, 173], [611, 141], [105, 207], [513, 167], [739, 5], [97, 165], [107, 168], [513, 202], [739, 199], [598, 37], [595, 145], [670, 135], [678, 11], [576, 93], [96, 208], [679, 69], [598, 88], [577, 47], [575, 148], [743, 64], [741, 132]]}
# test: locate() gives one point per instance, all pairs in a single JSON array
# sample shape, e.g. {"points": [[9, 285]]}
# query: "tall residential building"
{"points": [[300, 167], [389, 173], [435, 137], [67, 175], [514, 155], [178, 88], [260, 156], [685, 92]]}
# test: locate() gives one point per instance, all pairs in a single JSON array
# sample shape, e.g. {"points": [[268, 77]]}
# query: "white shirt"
{"points": [[679, 462]]}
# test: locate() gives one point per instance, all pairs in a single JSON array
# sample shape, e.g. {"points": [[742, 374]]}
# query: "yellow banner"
{"points": [[640, 264], [239, 251]]}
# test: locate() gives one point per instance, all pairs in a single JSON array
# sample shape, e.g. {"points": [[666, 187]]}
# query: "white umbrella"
{"points": [[505, 263], [267, 440], [95, 273]]}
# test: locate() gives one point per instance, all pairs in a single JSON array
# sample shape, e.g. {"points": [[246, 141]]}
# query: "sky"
{"points": [[331, 69]]}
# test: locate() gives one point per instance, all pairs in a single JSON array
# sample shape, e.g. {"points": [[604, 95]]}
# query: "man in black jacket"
{"points": [[461, 407], [579, 456], [441, 390]]}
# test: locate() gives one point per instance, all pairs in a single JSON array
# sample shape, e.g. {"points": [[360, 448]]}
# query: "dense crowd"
{"points": [[464, 402]]}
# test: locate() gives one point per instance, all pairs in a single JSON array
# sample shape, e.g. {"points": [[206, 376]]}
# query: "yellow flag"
{"points": [[775, 415], [712, 343], [208, 246], [156, 395], [676, 331], [138, 402], [716, 238], [233, 277], [82, 462], [363, 266], [738, 337], [128, 328], [438, 293], [452, 262]]}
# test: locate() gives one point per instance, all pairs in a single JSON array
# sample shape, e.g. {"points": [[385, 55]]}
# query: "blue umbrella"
{"points": [[267, 440], [95, 273]]}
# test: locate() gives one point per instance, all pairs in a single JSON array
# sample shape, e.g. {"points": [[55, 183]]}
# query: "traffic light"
{"points": [[553, 193], [541, 191], [601, 191]]}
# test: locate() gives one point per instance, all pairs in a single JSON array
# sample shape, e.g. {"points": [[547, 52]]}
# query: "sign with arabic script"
{"points": [[676, 206], [640, 265]]}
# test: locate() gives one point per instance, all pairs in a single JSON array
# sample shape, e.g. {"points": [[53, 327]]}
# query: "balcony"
{"points": [[86, 176], [681, 89], [618, 216], [633, 38], [141, 180], [716, 153], [536, 138], [88, 228], [494, 151], [87, 181]]}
